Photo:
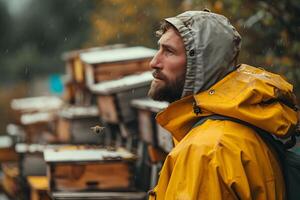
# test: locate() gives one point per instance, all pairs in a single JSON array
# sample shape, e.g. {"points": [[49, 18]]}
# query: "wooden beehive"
{"points": [[114, 96], [74, 65], [37, 117], [74, 125], [35, 104], [91, 169], [157, 140], [39, 126], [151, 132], [115, 63], [76, 91], [7, 149]]}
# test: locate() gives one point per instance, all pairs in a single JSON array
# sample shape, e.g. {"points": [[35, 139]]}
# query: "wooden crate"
{"points": [[115, 63], [114, 96], [90, 170], [39, 186], [74, 125]]}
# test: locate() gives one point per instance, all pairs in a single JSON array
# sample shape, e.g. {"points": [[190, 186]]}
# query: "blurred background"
{"points": [[34, 34]]}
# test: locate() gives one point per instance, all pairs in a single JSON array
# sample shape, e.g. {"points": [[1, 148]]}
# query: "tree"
{"points": [[133, 23], [270, 31], [32, 42], [37, 38]]}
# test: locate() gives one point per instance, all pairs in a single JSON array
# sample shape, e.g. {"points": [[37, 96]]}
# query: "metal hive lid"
{"points": [[74, 53], [117, 55], [72, 112], [41, 103], [149, 104], [122, 84], [81, 155]]}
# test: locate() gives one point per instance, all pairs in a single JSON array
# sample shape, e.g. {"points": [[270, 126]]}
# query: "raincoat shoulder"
{"points": [[214, 162], [223, 159]]}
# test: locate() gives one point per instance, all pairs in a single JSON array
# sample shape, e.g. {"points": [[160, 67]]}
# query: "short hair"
{"points": [[164, 27]]}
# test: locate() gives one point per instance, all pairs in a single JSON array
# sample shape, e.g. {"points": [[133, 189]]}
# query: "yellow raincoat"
{"points": [[224, 159]]}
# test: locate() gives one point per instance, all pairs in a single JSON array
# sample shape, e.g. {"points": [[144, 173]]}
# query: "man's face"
{"points": [[169, 66]]}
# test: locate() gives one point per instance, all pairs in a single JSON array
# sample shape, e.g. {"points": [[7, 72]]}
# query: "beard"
{"points": [[164, 89]]}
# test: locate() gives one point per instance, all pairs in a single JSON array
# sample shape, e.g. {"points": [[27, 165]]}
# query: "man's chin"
{"points": [[159, 91], [155, 92], [158, 94]]}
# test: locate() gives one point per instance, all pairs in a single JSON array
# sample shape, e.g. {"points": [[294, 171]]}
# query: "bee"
{"points": [[98, 129]]}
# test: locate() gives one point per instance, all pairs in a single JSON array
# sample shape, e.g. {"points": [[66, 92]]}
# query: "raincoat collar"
{"points": [[243, 95], [178, 117]]}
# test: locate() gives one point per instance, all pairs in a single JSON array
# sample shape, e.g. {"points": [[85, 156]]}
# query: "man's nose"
{"points": [[155, 63]]}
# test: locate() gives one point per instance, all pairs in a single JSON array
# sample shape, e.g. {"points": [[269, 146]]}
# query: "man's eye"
{"points": [[168, 51]]}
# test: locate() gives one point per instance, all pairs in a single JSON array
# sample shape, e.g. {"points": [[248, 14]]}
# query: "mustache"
{"points": [[159, 75]]}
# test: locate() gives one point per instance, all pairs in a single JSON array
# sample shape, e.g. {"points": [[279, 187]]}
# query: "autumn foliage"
{"points": [[269, 29]]}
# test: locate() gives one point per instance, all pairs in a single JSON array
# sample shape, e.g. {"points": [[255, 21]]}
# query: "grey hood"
{"points": [[212, 45]]}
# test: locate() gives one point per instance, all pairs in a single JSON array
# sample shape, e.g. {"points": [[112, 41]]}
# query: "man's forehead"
{"points": [[170, 36]]}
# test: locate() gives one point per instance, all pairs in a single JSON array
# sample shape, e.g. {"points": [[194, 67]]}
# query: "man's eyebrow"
{"points": [[166, 46]]}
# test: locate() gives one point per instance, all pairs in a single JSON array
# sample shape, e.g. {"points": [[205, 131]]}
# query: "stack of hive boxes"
{"points": [[33, 128], [105, 171], [101, 141]]}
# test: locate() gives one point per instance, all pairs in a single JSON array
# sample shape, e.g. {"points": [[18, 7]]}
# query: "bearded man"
{"points": [[195, 70]]}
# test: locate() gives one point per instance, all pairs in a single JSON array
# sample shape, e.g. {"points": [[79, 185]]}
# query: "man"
{"points": [[195, 70]]}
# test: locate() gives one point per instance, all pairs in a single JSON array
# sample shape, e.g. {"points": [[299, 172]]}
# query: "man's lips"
{"points": [[157, 75]]}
